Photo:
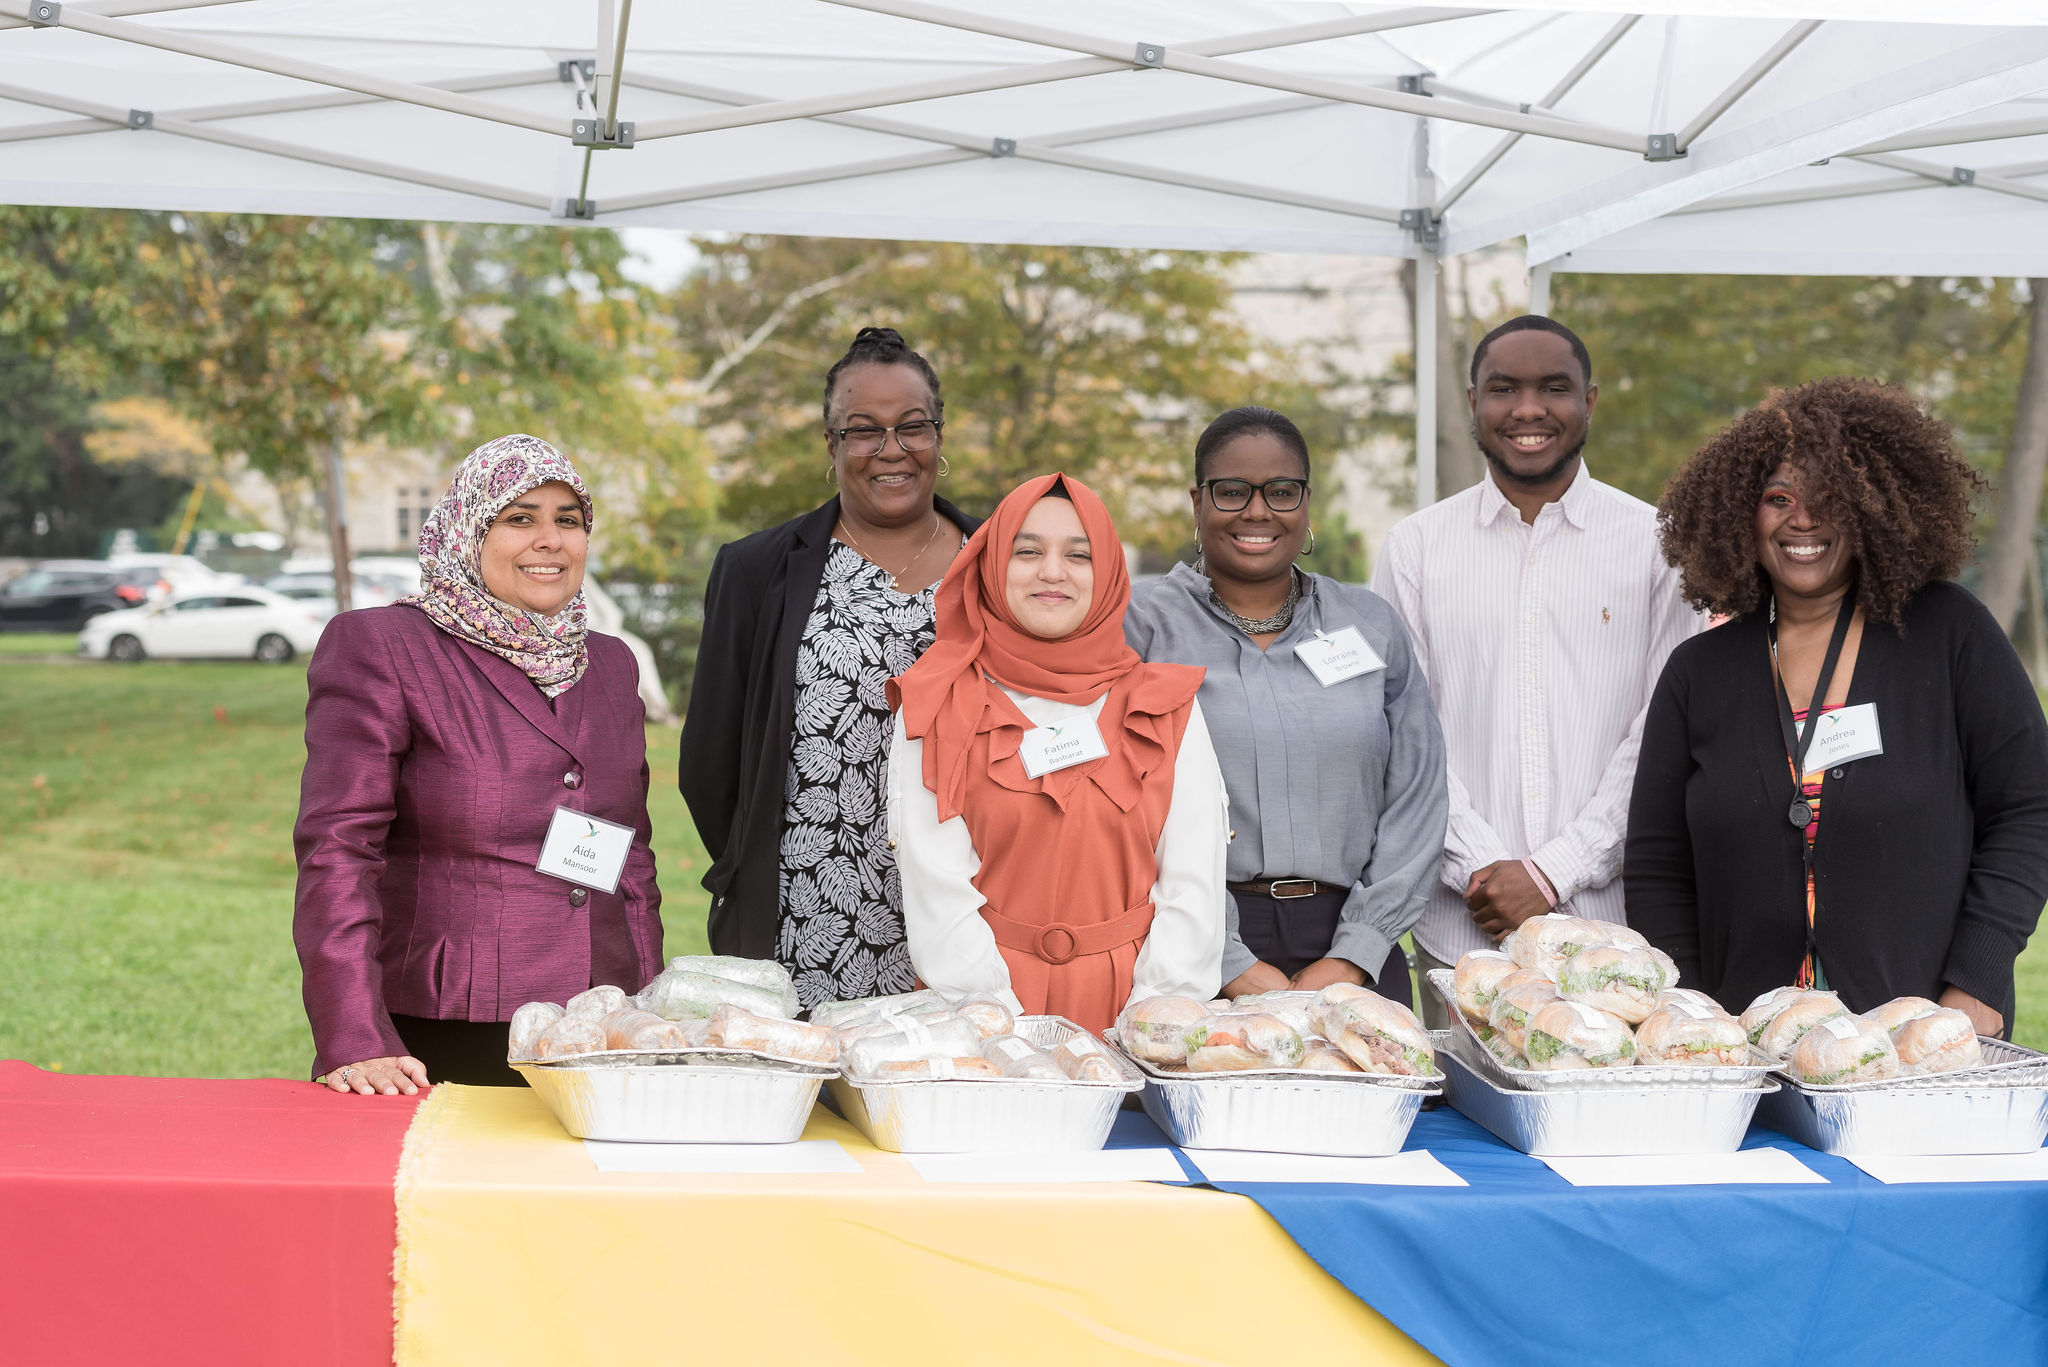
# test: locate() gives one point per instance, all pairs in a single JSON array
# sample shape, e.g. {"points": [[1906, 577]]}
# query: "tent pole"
{"points": [[1762, 67], [1539, 290], [1426, 268]]}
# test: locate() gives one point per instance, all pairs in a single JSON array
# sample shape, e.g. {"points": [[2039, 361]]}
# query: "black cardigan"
{"points": [[736, 735], [1931, 865]]}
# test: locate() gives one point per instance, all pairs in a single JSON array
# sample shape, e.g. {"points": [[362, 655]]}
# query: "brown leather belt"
{"points": [[1057, 942], [1286, 889]]}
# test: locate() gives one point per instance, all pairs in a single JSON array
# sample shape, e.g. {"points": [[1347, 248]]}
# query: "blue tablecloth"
{"points": [[1523, 1268]]}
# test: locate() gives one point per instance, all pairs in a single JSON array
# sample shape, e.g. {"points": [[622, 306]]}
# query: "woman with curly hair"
{"points": [[1825, 523]]}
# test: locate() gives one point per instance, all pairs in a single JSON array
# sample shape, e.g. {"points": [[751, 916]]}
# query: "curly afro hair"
{"points": [[1875, 464]]}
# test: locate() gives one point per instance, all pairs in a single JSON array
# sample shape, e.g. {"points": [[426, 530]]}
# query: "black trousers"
{"points": [[1291, 933], [469, 1052]]}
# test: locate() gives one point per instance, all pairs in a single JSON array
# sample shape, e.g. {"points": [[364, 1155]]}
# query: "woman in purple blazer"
{"points": [[443, 733]]}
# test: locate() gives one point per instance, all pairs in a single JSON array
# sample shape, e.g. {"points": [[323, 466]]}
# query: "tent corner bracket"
{"points": [[1149, 55], [591, 133], [1662, 147], [1426, 226], [45, 14], [567, 70], [1418, 84], [142, 118], [1961, 175], [1003, 147], [584, 209]]}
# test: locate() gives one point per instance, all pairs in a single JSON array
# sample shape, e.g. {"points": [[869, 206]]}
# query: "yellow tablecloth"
{"points": [[514, 1249]]}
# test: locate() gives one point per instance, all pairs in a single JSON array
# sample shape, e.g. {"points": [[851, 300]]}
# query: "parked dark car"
{"points": [[61, 596]]}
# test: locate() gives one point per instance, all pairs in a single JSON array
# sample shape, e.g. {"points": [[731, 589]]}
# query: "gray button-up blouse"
{"points": [[1344, 784]]}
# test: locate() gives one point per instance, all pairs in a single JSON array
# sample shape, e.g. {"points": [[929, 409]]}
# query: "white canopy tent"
{"points": [[1235, 124]]}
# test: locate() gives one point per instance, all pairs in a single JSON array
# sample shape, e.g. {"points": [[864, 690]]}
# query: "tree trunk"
{"points": [[337, 528], [2010, 562]]}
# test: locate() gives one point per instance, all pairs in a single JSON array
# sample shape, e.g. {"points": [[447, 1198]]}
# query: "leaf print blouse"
{"points": [[841, 934]]}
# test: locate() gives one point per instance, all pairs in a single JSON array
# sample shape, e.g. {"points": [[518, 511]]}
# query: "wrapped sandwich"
{"points": [[1504, 1053], [1841, 1049], [1378, 1035], [1690, 1029], [1241, 1040], [624, 1024], [1321, 1056], [527, 1024], [1290, 1008], [569, 1036], [1898, 1011], [1083, 1058], [1765, 1009], [1938, 1041], [1785, 1029], [1018, 1057], [1155, 1030], [735, 1027], [1477, 978], [1512, 1005], [937, 1068], [1568, 1035], [685, 994], [766, 974], [1545, 942], [1621, 981], [1628, 937], [989, 1014], [597, 1003], [923, 1002], [913, 1038]]}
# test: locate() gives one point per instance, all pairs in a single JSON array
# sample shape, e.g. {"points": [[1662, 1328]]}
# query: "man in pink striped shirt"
{"points": [[1542, 612]]}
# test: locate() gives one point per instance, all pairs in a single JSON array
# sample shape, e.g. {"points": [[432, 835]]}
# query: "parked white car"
{"points": [[233, 624]]}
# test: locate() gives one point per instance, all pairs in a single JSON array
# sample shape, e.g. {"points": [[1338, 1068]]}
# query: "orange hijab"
{"points": [[948, 697]]}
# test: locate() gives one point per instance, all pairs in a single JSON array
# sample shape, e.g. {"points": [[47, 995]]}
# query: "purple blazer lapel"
{"points": [[522, 693]]}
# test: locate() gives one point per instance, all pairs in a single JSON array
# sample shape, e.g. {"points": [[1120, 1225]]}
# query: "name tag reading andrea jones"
{"points": [[1047, 748], [1846, 733], [1338, 655], [585, 850]]}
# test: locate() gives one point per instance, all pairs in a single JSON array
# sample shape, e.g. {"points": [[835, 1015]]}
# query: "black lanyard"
{"points": [[1797, 741]]}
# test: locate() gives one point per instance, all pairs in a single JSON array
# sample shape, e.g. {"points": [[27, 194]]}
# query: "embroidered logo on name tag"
{"points": [[1048, 748], [1338, 655], [582, 849]]}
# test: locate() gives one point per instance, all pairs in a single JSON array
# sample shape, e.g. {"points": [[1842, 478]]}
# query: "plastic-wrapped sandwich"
{"points": [[923, 1002], [1156, 1029], [1321, 1056], [1018, 1057], [937, 1068], [1690, 1029], [1765, 1009], [735, 1027], [685, 994], [1844, 1049], [988, 1014], [1783, 1031], [914, 1038], [1241, 1040], [1568, 1035], [1621, 981], [528, 1022], [570, 1035], [766, 974], [1084, 1059], [598, 1002], [1937, 1041], [1898, 1011], [1477, 978], [1511, 1008], [1289, 1008], [1545, 942], [1378, 1035], [624, 1025]]}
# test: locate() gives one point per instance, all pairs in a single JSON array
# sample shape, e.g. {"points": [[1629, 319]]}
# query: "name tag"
{"points": [[1846, 734], [1338, 656], [582, 849], [1048, 748]]}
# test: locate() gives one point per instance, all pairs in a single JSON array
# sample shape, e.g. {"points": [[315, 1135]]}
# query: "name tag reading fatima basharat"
{"points": [[1047, 748], [585, 850]]}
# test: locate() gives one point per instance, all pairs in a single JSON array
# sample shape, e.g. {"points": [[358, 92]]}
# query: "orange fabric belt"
{"points": [[1057, 942]]}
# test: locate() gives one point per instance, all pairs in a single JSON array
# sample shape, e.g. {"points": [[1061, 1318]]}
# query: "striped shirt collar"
{"points": [[1576, 501]]}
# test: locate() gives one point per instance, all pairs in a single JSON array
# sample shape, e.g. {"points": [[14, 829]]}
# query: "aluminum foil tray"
{"points": [[1606, 1121], [1980, 1118], [991, 1115], [1427, 1086], [703, 1055], [1321, 1113], [666, 1104], [2005, 1065], [1465, 1042]]}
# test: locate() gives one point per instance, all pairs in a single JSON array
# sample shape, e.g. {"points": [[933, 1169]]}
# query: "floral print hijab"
{"points": [[550, 650]]}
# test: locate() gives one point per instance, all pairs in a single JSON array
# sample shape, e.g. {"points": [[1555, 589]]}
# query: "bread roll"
{"points": [[1765, 1009], [1621, 981], [1628, 937], [1378, 1035], [1567, 1035], [1321, 1056], [735, 1027], [1156, 1029], [527, 1024], [1083, 1058], [665, 1037], [1477, 978], [1690, 1029], [597, 1003], [1503, 1052], [1841, 1049], [1512, 1006], [1898, 1011], [1242, 1040], [938, 1068], [621, 1024], [1545, 942], [1017, 1057], [1288, 1007], [1941, 1041], [1791, 1024], [987, 1013], [569, 1036]]}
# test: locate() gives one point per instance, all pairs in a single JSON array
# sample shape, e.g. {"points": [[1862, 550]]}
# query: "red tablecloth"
{"points": [[173, 1221]]}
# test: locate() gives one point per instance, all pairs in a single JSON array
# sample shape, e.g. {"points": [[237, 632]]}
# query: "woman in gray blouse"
{"points": [[1330, 749]]}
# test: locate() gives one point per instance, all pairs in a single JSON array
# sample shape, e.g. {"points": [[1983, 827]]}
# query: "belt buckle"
{"points": [[1067, 954], [1307, 886]]}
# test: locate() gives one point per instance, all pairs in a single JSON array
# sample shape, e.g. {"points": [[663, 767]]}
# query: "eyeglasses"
{"points": [[1235, 495], [919, 434]]}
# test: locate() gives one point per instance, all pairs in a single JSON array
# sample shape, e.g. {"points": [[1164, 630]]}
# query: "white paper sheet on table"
{"points": [[804, 1156], [1774, 1166], [1416, 1168], [1103, 1165], [1955, 1167]]}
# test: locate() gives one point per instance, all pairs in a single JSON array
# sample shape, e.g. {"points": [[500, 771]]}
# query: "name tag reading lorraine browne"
{"points": [[1339, 655], [583, 849], [1846, 733], [1047, 748]]}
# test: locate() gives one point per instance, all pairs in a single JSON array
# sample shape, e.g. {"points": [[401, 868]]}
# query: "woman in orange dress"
{"points": [[1056, 807]]}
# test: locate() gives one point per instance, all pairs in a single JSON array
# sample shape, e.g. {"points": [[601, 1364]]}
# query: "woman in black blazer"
{"points": [[787, 736], [1822, 523]]}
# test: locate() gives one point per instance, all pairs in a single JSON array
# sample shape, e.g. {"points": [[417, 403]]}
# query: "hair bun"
{"points": [[879, 337]]}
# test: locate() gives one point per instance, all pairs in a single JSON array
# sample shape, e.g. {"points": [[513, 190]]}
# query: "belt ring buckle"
{"points": [[1066, 954], [1307, 886]]}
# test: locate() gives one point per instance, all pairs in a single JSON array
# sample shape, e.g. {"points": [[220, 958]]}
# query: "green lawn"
{"points": [[38, 643], [145, 829]]}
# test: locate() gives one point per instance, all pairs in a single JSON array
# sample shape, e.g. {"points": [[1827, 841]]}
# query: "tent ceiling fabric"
{"points": [[1232, 124]]}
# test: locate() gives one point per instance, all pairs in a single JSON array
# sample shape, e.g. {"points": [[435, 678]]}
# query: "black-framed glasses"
{"points": [[919, 434], [1235, 495]]}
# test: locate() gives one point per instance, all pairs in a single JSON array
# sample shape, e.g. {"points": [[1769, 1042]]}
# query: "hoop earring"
{"points": [[944, 469], [831, 473], [1310, 548]]}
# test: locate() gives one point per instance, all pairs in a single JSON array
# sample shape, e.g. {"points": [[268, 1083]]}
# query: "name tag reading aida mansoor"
{"points": [[1844, 734], [1047, 748], [1339, 655], [585, 850]]}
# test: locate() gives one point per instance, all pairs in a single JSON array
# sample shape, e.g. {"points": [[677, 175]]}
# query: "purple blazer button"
{"points": [[572, 779], [578, 896]]}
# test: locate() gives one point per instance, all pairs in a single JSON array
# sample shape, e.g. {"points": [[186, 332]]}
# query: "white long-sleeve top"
{"points": [[953, 948], [1542, 643]]}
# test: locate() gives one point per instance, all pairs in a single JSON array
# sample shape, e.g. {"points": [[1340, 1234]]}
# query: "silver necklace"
{"points": [[1263, 626]]}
